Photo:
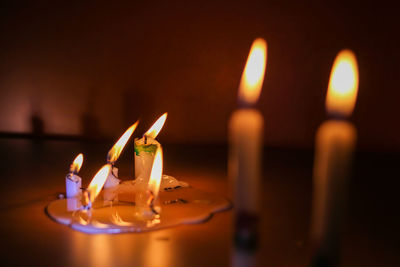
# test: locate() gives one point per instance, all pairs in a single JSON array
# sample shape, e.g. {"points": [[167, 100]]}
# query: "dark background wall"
{"points": [[85, 68]]}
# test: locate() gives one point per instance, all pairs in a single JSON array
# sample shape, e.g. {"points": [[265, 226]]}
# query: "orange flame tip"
{"points": [[253, 73], [343, 84]]}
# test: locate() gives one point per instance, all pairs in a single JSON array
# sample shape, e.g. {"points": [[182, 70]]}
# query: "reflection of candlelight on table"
{"points": [[335, 142], [245, 135], [113, 155]]}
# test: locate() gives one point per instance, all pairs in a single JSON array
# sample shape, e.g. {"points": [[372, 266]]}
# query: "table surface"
{"points": [[32, 175]]}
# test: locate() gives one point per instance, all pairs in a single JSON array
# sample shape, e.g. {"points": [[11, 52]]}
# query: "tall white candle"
{"points": [[335, 143], [145, 151], [246, 143]]}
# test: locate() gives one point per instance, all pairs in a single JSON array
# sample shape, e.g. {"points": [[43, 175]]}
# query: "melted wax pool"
{"points": [[114, 210]]}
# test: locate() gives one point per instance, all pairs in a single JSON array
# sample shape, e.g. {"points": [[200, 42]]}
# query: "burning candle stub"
{"points": [[145, 151], [335, 143], [95, 186], [245, 136], [73, 183], [113, 155]]}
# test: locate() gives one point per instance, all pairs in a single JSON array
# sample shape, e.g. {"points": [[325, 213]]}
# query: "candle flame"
{"points": [[98, 181], [76, 164], [116, 150], [157, 126], [254, 71], [343, 84], [156, 172]]}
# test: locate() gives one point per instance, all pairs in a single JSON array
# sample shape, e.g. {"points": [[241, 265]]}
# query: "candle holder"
{"points": [[182, 205]]}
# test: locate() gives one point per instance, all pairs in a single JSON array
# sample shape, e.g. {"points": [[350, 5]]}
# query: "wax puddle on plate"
{"points": [[114, 210]]}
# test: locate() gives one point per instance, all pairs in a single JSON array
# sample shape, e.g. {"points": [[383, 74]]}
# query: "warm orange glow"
{"points": [[157, 126], [116, 150], [254, 71], [156, 172], [76, 164], [343, 84], [98, 181]]}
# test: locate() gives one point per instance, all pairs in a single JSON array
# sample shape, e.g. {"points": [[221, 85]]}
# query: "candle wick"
{"points": [[145, 139], [150, 202]]}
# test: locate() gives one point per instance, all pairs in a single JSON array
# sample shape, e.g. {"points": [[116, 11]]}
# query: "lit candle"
{"points": [[335, 142], [156, 173], [113, 155], [73, 182], [95, 186], [145, 150], [246, 143], [148, 209]]}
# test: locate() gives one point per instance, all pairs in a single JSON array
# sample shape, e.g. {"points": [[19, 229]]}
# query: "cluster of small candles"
{"points": [[335, 142], [148, 169]]}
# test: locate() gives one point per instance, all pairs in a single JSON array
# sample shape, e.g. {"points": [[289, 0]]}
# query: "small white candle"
{"points": [[335, 143], [246, 142], [73, 182], [113, 155]]}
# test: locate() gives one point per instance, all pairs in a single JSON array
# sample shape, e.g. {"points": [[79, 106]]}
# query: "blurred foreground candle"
{"points": [[246, 143], [73, 182], [145, 150], [335, 142], [113, 155]]}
